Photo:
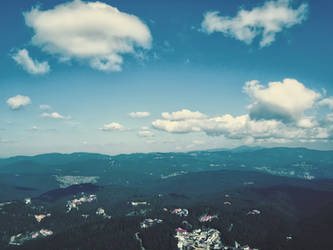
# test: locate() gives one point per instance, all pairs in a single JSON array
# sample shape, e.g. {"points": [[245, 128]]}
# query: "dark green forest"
{"points": [[295, 213]]}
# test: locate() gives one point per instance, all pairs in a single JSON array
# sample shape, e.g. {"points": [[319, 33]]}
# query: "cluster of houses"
{"points": [[101, 211], [27, 201], [254, 212], [141, 211], [40, 217], [139, 203], [71, 204], [19, 239], [204, 239], [180, 211], [207, 218], [198, 239], [150, 222], [69, 180]]}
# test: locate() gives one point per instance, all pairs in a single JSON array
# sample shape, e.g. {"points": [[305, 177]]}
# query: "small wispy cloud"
{"points": [[55, 115], [113, 126], [139, 114], [45, 107], [30, 65]]}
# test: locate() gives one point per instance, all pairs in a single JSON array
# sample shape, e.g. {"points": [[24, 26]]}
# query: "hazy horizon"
{"points": [[166, 152]]}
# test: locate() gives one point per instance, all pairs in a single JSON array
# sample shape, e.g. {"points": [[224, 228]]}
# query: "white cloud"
{"points": [[243, 127], [184, 114], [45, 107], [286, 100], [113, 126], [227, 125], [183, 126], [307, 122], [327, 102], [246, 129], [55, 115], [139, 114], [145, 133], [92, 31], [19, 101], [279, 113], [265, 21], [30, 65]]}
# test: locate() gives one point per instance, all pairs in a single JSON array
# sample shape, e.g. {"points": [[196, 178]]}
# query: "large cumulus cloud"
{"points": [[91, 31], [276, 114], [286, 101]]}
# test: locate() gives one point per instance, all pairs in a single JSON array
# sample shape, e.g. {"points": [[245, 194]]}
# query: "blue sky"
{"points": [[207, 74]]}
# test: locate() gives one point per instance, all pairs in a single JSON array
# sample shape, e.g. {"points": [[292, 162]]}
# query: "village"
{"points": [[75, 203], [204, 239], [20, 238], [187, 237]]}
